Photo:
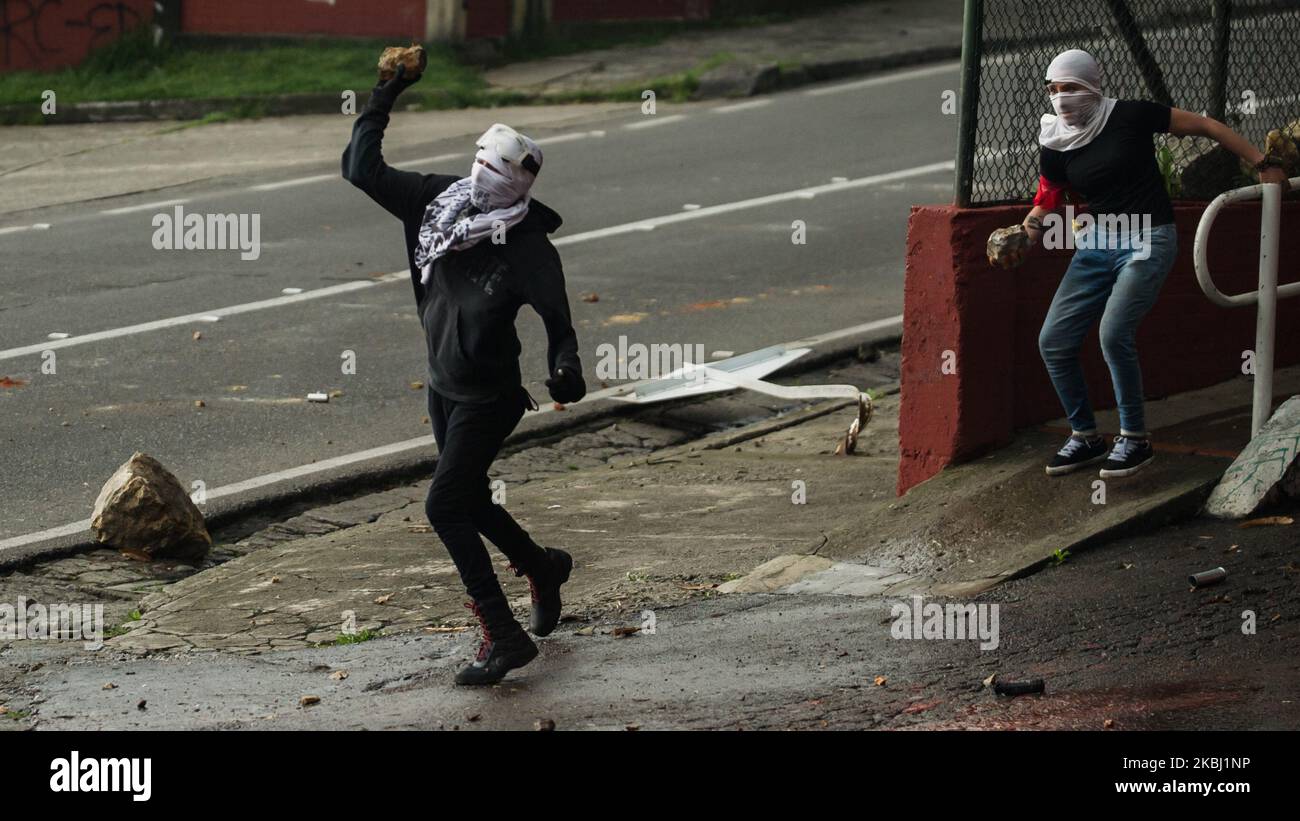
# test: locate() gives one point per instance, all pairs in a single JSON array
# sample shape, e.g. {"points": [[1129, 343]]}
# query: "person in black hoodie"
{"points": [[478, 251]]}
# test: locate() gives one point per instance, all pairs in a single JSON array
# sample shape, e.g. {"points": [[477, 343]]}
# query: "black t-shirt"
{"points": [[1116, 173]]}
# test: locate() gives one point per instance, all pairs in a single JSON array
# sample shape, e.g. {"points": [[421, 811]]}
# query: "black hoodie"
{"points": [[468, 309]]}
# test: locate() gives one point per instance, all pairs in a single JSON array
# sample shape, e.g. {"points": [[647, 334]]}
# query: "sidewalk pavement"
{"points": [[741, 61], [44, 165]]}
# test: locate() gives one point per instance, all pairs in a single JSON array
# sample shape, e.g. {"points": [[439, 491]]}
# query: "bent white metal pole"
{"points": [[1201, 249], [1266, 318], [1266, 297]]}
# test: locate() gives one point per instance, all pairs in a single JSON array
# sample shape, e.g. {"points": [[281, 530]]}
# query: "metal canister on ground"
{"points": [[1021, 687], [1207, 577]]}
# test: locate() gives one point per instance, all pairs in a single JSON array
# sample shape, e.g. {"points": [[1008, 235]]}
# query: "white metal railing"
{"points": [[1268, 293]]}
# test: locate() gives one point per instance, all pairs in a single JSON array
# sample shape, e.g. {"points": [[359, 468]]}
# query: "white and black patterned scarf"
{"points": [[451, 223]]}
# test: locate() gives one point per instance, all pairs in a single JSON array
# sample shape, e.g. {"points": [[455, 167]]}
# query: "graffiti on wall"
{"points": [[48, 33]]}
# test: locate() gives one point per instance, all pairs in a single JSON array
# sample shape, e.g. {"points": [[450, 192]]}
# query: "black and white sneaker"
{"points": [[1077, 452], [1127, 457]]}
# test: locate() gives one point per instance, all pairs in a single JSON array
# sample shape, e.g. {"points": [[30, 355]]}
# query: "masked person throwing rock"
{"points": [[478, 251]]}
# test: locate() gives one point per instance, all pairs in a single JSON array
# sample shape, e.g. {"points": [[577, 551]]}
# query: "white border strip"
{"points": [[870, 82], [272, 186], [652, 121], [143, 207], [745, 106]]}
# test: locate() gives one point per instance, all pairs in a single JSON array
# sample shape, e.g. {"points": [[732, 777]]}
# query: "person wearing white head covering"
{"points": [[1082, 112], [479, 250], [494, 197], [1100, 150]]}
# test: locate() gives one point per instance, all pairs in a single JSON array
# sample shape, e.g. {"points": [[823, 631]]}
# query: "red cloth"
{"points": [[1050, 195]]}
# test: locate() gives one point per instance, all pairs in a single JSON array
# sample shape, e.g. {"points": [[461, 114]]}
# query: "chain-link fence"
{"points": [[1235, 60]]}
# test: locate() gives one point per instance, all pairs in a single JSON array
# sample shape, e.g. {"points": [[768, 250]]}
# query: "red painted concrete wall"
{"points": [[487, 18], [402, 19], [48, 34], [955, 301]]}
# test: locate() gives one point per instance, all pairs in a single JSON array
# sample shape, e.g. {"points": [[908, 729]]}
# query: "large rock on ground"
{"points": [[1266, 469], [143, 509]]}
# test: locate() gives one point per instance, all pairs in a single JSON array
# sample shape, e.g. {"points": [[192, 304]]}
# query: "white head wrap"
{"points": [[493, 196], [1080, 115]]}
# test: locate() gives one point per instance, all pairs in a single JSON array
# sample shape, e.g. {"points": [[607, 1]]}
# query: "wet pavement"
{"points": [[663, 512]]}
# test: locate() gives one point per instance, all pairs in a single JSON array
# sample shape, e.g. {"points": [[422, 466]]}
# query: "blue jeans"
{"points": [[1107, 278]]}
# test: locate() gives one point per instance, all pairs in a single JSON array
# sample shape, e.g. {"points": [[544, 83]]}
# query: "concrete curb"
{"points": [[780, 575], [724, 82], [295, 496], [746, 81], [1175, 507], [130, 111]]}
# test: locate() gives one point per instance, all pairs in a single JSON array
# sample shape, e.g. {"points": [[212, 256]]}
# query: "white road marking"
{"points": [[871, 82], [745, 106], [429, 160], [40, 226], [568, 138], [418, 443], [651, 121], [572, 239], [272, 186], [53, 533], [756, 202], [143, 207], [205, 316]]}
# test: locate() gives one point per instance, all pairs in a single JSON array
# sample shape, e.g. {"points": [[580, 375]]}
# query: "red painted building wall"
{"points": [[990, 318], [402, 19], [48, 34], [487, 18], [582, 11]]}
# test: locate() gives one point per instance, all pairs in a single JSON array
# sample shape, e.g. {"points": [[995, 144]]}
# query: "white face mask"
{"points": [[1076, 108], [491, 190], [507, 177]]}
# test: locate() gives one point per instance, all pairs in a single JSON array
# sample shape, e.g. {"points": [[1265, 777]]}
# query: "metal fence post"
{"points": [[1131, 33], [1218, 95], [972, 50]]}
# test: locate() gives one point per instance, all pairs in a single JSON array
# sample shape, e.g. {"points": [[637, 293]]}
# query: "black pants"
{"points": [[459, 504]]}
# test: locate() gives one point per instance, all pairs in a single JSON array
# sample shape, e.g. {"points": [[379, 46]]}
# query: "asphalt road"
{"points": [[728, 278]]}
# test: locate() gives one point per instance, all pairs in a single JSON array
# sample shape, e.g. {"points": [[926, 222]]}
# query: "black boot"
{"points": [[505, 645], [544, 584]]}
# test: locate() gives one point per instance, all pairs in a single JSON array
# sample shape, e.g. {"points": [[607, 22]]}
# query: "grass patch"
{"points": [[352, 638], [135, 68]]}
